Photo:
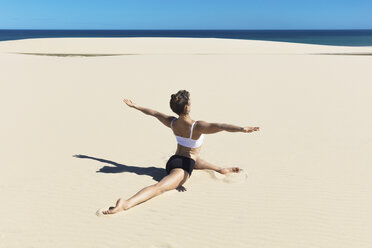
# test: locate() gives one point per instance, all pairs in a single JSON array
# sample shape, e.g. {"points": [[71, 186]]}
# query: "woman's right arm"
{"points": [[209, 128]]}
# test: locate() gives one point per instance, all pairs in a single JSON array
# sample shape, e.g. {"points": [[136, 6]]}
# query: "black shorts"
{"points": [[177, 161]]}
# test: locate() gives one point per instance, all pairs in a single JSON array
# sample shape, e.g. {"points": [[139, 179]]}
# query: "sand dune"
{"points": [[69, 146]]}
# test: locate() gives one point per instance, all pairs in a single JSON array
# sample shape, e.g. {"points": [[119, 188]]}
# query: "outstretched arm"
{"points": [[165, 119], [208, 128]]}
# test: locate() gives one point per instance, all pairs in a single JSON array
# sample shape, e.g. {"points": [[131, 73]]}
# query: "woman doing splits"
{"points": [[189, 135]]}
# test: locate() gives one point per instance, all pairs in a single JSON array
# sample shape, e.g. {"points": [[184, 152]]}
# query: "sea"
{"points": [[355, 37]]}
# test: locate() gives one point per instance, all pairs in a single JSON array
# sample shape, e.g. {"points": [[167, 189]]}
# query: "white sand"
{"points": [[308, 172]]}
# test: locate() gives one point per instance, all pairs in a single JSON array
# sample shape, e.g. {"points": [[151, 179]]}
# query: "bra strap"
{"points": [[172, 122], [192, 127]]}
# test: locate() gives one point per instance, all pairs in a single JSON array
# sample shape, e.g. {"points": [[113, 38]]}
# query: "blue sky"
{"points": [[191, 14]]}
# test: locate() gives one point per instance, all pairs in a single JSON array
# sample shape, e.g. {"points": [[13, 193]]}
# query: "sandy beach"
{"points": [[70, 146]]}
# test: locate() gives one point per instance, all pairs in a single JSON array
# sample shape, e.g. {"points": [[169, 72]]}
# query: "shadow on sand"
{"points": [[155, 172]]}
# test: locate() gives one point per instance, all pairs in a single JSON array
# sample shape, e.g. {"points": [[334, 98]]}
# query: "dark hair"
{"points": [[179, 100]]}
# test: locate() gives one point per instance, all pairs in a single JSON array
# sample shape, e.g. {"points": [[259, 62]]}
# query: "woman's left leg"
{"points": [[176, 178], [201, 164]]}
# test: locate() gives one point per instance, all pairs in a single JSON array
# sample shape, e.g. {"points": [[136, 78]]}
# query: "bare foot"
{"points": [[120, 206], [230, 170]]}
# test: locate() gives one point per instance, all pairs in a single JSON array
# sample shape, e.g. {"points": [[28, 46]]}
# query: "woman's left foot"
{"points": [[120, 206], [230, 170]]}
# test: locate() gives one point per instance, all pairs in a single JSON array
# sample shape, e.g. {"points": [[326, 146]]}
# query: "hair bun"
{"points": [[179, 101]]}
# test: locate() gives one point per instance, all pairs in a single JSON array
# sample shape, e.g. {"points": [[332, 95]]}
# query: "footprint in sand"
{"points": [[239, 177], [100, 214]]}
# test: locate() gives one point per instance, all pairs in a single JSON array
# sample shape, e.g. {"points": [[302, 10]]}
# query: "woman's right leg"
{"points": [[176, 178], [201, 164]]}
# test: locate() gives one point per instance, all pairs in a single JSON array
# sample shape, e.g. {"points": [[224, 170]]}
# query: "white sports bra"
{"points": [[188, 142]]}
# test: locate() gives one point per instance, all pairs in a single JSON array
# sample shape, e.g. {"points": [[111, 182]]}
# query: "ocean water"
{"points": [[322, 37]]}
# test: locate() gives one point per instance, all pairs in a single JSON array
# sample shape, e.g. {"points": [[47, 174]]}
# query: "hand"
{"points": [[130, 103], [250, 129], [181, 189]]}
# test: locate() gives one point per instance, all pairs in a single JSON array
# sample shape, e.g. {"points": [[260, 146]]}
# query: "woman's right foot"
{"points": [[229, 170]]}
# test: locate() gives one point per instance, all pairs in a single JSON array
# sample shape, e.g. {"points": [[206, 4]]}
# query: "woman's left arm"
{"points": [[163, 118]]}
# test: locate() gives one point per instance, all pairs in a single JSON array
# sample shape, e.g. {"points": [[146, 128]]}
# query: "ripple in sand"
{"points": [[240, 177], [78, 54]]}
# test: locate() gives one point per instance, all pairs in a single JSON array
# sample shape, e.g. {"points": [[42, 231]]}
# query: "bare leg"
{"points": [[201, 164], [176, 178]]}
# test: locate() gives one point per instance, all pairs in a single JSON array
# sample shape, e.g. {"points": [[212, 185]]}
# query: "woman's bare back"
{"points": [[182, 127]]}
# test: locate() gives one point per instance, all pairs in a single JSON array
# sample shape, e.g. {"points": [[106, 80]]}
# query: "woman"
{"points": [[189, 135]]}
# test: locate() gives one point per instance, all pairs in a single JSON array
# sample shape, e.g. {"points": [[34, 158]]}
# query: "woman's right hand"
{"points": [[250, 129], [130, 103]]}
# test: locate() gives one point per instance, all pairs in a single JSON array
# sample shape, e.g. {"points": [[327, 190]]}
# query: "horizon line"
{"points": [[214, 29]]}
